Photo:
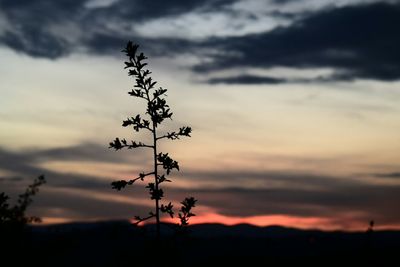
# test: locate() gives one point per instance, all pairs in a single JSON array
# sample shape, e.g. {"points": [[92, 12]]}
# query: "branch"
{"points": [[155, 193], [138, 123], [158, 110], [183, 131], [25, 199], [185, 212], [118, 185], [168, 209], [159, 92], [167, 162], [140, 219], [137, 92], [119, 144], [162, 178]]}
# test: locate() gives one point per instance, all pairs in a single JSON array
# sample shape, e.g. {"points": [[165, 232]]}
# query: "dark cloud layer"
{"points": [[256, 80], [377, 202], [388, 175], [144, 10], [299, 194], [111, 44], [30, 21], [304, 195], [357, 41], [52, 29], [247, 79], [26, 166], [84, 153], [53, 203], [69, 194]]}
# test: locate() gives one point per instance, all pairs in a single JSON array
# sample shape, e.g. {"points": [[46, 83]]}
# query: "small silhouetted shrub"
{"points": [[15, 215]]}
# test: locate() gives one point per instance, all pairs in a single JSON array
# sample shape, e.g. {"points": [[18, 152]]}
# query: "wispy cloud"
{"points": [[388, 175], [246, 79], [346, 39]]}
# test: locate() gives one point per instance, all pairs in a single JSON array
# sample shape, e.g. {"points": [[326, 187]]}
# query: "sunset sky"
{"points": [[294, 106]]}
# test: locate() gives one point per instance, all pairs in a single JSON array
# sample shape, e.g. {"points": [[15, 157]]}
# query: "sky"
{"points": [[293, 105]]}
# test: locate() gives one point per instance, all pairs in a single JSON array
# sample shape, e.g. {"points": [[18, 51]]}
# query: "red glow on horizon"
{"points": [[265, 220], [282, 220], [261, 221]]}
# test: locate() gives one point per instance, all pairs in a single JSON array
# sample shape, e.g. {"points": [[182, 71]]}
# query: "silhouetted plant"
{"points": [[369, 233], [157, 111], [371, 226], [16, 215], [369, 248]]}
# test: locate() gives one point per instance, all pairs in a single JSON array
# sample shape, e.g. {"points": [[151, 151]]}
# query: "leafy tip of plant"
{"points": [[118, 185]]}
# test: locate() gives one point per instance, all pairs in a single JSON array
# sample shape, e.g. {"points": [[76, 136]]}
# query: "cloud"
{"points": [[108, 43], [388, 175], [363, 202], [373, 200], [246, 79], [27, 165], [69, 195], [138, 10], [29, 22], [255, 79], [357, 41], [217, 22], [17, 162], [64, 26], [82, 152], [25, 160], [254, 179], [82, 205], [252, 193]]}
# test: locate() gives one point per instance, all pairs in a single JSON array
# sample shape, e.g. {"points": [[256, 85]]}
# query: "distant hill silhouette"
{"points": [[103, 243]]}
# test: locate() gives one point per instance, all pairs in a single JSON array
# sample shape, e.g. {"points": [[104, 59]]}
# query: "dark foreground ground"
{"points": [[121, 244]]}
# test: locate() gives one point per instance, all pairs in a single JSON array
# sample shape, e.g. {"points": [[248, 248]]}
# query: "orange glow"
{"points": [[282, 220], [261, 221], [55, 220], [265, 220]]}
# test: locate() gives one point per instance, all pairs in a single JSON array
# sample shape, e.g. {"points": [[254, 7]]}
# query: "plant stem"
{"points": [[156, 181]]}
